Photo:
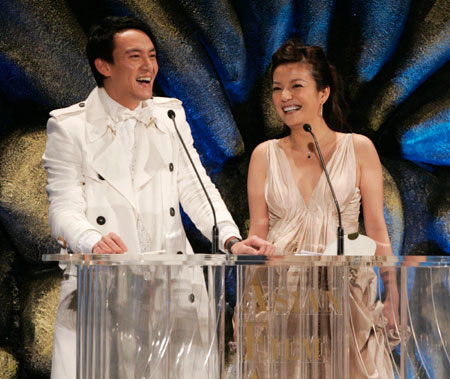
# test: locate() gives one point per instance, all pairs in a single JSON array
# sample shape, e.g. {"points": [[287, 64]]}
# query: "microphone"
{"points": [[215, 229], [340, 230]]}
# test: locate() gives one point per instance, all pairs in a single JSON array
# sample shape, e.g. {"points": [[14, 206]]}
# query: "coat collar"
{"points": [[98, 118], [152, 140]]}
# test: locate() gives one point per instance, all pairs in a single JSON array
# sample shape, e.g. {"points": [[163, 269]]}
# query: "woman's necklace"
{"points": [[309, 151]]}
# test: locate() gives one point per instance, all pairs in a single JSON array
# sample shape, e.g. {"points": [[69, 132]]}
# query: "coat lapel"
{"points": [[111, 164], [152, 153], [105, 147]]}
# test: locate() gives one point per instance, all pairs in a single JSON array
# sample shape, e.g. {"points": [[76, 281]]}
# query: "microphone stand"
{"points": [[215, 229], [340, 230]]}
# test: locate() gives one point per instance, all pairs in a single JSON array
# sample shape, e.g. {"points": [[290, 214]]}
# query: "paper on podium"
{"points": [[305, 252], [354, 244], [154, 252]]}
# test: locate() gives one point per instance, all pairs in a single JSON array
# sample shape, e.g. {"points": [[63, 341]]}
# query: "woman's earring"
{"points": [[321, 110]]}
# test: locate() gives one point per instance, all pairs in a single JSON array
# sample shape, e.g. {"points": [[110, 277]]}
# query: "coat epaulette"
{"points": [[166, 101], [73, 109]]}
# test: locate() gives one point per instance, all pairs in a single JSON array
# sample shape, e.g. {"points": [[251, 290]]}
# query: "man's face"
{"points": [[129, 80]]}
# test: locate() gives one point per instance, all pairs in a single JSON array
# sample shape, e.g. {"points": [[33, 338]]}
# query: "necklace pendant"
{"points": [[309, 155]]}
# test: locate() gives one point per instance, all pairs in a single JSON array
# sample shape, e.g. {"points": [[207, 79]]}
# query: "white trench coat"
{"points": [[90, 188]]}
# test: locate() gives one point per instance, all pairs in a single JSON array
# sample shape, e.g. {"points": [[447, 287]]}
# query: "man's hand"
{"points": [[110, 244], [253, 245]]}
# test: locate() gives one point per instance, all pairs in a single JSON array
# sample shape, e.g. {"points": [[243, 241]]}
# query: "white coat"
{"points": [[90, 187]]}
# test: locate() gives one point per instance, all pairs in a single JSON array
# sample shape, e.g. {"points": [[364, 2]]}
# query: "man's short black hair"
{"points": [[101, 40]]}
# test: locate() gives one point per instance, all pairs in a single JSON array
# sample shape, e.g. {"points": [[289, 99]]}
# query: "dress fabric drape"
{"points": [[295, 225]]}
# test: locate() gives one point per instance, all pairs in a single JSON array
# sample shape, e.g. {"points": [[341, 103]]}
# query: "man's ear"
{"points": [[103, 67]]}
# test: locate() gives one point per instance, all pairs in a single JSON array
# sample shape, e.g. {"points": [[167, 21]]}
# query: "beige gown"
{"points": [[295, 226]]}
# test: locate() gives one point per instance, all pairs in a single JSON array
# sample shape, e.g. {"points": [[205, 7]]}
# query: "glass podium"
{"points": [[164, 316]]}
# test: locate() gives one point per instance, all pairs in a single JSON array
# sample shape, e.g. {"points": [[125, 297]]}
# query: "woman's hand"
{"points": [[390, 311], [253, 245]]}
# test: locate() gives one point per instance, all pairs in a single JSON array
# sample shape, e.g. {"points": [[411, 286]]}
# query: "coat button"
{"points": [[100, 177], [172, 212], [81, 105], [191, 297], [171, 166], [101, 220]]}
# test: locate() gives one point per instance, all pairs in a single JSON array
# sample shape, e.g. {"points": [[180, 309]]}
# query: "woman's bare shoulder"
{"points": [[261, 149], [362, 143], [364, 148]]}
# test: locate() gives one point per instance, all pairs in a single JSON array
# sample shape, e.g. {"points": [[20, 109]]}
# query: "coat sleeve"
{"points": [[191, 194], [63, 162]]}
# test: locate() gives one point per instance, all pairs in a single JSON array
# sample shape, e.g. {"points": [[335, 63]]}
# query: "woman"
{"points": [[289, 198]]}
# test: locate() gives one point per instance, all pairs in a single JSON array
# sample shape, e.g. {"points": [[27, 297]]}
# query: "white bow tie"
{"points": [[143, 115]]}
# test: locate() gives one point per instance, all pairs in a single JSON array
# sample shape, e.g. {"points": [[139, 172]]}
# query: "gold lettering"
{"points": [[281, 302], [251, 341], [316, 349], [287, 344], [294, 352], [296, 304], [311, 348], [285, 349], [274, 349], [334, 301], [259, 294], [313, 300]]}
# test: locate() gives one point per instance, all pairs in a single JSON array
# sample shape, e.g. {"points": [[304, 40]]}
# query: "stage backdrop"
{"points": [[214, 56]]}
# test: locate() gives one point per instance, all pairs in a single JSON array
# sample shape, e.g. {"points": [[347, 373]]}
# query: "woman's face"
{"points": [[295, 96]]}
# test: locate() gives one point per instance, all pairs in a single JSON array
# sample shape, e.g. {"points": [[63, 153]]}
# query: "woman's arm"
{"points": [[259, 215], [371, 186]]}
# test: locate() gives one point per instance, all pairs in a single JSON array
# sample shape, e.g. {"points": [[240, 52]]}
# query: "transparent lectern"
{"points": [[163, 316]]}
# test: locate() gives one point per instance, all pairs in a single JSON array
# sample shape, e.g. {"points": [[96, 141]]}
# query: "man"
{"points": [[117, 171]]}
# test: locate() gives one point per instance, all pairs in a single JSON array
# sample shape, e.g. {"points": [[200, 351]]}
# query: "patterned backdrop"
{"points": [[214, 55]]}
